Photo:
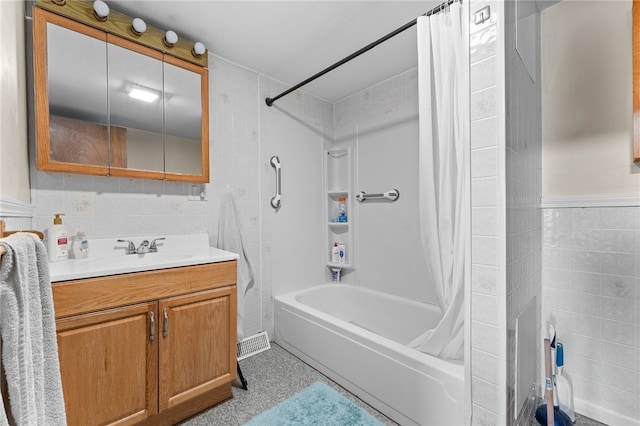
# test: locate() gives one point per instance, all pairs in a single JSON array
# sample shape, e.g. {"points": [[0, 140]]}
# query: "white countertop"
{"points": [[107, 257]]}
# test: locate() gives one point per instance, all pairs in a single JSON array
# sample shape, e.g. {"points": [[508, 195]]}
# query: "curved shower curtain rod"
{"points": [[270, 101]]}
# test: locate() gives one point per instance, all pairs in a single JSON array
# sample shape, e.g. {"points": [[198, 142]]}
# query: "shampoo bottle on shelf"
{"points": [[342, 255], [342, 209], [335, 253], [57, 239], [335, 275]]}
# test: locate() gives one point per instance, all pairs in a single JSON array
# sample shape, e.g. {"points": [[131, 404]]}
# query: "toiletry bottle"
{"points": [[57, 239], [335, 275], [80, 247], [342, 209], [341, 253], [335, 253]]}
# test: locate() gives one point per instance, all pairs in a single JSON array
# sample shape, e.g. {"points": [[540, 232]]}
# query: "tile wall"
{"points": [[14, 223], [591, 288], [523, 160], [487, 221], [505, 199]]}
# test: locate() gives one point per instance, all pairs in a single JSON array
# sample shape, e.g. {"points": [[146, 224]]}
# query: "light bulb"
{"points": [[100, 10], [170, 38], [198, 49], [138, 26]]}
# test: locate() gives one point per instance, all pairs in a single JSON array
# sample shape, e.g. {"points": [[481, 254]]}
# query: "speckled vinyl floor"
{"points": [[274, 376], [580, 421]]}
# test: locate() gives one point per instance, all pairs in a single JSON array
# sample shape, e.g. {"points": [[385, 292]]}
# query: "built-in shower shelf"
{"points": [[339, 224], [338, 184], [340, 265]]}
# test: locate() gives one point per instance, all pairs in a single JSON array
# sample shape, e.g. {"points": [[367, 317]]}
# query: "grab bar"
{"points": [[275, 200], [392, 195]]}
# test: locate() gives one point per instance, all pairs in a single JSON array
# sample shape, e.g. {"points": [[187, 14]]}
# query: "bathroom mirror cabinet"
{"points": [[636, 81], [106, 105]]}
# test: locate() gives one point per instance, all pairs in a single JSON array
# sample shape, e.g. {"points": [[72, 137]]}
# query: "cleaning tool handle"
{"points": [[548, 382], [559, 355]]}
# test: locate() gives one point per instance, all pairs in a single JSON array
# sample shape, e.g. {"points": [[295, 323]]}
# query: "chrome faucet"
{"points": [[131, 248], [144, 247], [153, 248]]}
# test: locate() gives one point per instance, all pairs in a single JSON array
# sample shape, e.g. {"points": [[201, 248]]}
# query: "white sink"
{"points": [[126, 260], [107, 257]]}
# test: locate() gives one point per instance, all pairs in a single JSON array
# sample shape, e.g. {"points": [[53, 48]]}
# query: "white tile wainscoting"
{"points": [[591, 288]]}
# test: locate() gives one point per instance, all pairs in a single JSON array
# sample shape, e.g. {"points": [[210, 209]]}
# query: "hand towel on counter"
{"points": [[27, 325], [230, 239]]}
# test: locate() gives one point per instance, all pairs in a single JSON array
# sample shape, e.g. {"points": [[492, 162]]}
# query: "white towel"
{"points": [[27, 325], [230, 239]]}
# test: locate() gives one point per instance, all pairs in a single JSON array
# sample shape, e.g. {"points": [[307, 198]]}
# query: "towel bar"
{"points": [[392, 195], [4, 233]]}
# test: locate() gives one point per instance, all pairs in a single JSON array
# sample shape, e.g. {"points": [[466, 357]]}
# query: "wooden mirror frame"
{"points": [[636, 80], [43, 143]]}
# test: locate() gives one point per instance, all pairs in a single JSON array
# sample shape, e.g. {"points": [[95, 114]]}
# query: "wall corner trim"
{"points": [[13, 208], [590, 201]]}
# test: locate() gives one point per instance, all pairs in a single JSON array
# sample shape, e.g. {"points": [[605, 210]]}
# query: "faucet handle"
{"points": [[131, 248], [153, 248]]}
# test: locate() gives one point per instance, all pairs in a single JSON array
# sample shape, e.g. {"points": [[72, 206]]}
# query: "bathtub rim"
{"points": [[454, 367]]}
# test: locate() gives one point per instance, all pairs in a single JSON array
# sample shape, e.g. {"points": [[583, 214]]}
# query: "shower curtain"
{"points": [[444, 117]]}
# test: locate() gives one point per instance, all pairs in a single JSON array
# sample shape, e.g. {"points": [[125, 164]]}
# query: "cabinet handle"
{"points": [[165, 326], [152, 330]]}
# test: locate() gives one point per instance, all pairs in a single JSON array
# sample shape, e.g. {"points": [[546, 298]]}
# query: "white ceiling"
{"points": [[292, 40]]}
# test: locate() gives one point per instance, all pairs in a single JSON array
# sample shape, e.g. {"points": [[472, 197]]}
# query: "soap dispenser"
{"points": [[57, 239]]}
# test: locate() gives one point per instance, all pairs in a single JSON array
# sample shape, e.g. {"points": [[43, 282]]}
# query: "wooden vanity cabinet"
{"points": [[143, 353], [109, 366], [194, 347]]}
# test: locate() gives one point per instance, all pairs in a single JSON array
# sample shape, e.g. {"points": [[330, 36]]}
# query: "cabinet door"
{"points": [[197, 344], [71, 99], [109, 365]]}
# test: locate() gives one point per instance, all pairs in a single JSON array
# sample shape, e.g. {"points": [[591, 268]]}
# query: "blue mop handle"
{"points": [[559, 355]]}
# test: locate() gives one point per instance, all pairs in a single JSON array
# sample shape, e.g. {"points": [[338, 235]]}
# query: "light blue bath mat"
{"points": [[317, 404]]}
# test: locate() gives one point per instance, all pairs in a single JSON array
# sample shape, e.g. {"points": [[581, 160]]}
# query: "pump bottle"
{"points": [[57, 239]]}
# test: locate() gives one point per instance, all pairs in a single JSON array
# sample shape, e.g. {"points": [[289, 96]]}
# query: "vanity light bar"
{"points": [[123, 26]]}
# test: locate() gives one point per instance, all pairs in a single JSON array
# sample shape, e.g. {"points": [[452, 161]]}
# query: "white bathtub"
{"points": [[358, 338]]}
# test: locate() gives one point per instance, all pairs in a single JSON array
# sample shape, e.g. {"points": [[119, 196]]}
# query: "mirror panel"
{"points": [[182, 120], [136, 104], [77, 102]]}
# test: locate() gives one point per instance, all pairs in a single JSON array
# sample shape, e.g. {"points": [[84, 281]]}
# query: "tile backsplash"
{"points": [[590, 279]]}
